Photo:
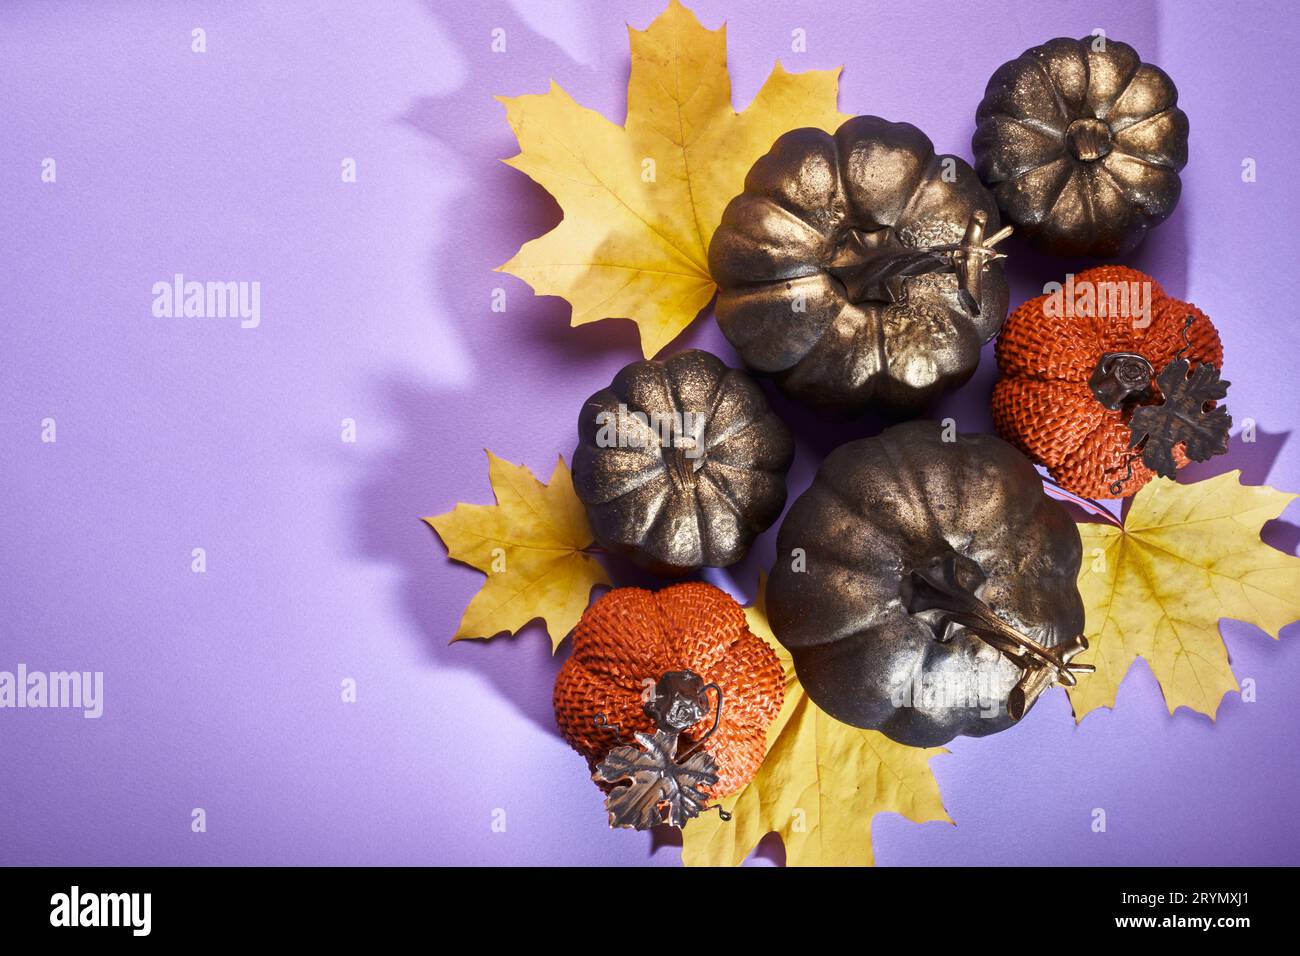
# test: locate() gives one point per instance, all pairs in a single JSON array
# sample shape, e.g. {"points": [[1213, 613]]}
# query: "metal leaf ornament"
{"points": [[1182, 417], [657, 786], [661, 790]]}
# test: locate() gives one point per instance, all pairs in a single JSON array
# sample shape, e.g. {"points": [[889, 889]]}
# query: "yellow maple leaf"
{"points": [[819, 785], [641, 201], [1187, 556], [531, 545]]}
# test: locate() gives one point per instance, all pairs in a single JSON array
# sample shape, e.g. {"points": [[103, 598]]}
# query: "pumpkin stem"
{"points": [[874, 265], [1088, 139], [1121, 378], [939, 588], [683, 463], [680, 701]]}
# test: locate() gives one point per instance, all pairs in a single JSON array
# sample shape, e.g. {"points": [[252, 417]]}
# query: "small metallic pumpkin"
{"points": [[630, 639], [935, 591], [1081, 143], [680, 463], [1079, 365], [858, 268]]}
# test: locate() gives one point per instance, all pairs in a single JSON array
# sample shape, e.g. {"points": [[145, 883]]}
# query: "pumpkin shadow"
{"points": [[1162, 255], [504, 209]]}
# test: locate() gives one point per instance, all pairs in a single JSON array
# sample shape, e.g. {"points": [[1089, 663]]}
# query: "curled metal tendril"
{"points": [[1116, 487], [1187, 342], [602, 723], [717, 718]]}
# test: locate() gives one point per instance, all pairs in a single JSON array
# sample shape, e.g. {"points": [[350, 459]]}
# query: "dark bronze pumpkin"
{"points": [[903, 567], [857, 268], [1081, 143], [680, 463]]}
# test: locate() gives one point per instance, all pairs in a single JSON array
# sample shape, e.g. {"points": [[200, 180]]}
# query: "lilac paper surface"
{"points": [[222, 689]]}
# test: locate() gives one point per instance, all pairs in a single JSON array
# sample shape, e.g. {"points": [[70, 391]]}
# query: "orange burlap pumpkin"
{"points": [[1042, 403], [632, 635]]}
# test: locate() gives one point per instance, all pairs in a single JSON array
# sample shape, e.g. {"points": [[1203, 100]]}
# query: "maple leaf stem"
{"points": [[1087, 504]]}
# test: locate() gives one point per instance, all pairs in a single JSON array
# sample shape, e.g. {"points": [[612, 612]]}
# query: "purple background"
{"points": [[223, 688]]}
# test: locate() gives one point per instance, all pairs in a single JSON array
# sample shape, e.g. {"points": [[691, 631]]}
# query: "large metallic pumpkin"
{"points": [[1082, 142], [680, 463], [913, 571], [857, 268]]}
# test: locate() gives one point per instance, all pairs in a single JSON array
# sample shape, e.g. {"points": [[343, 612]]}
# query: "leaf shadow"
{"points": [[493, 213], [1255, 459], [770, 848], [467, 123], [387, 505]]}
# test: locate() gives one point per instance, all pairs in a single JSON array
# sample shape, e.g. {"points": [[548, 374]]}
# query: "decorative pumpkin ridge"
{"points": [[680, 463], [631, 636], [1081, 143], [937, 593], [1051, 399], [860, 268]]}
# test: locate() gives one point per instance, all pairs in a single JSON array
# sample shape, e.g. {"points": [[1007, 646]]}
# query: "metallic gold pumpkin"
{"points": [[680, 463], [1081, 143], [883, 511], [856, 268]]}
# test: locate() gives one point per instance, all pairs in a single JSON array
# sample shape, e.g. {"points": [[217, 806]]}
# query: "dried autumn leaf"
{"points": [[530, 544], [818, 787], [641, 201], [1187, 556]]}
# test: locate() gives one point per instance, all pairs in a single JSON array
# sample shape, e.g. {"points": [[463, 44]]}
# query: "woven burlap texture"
{"points": [[1042, 403], [632, 635]]}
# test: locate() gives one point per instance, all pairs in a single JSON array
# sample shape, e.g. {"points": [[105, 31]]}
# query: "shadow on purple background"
{"points": [[223, 688], [521, 210]]}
